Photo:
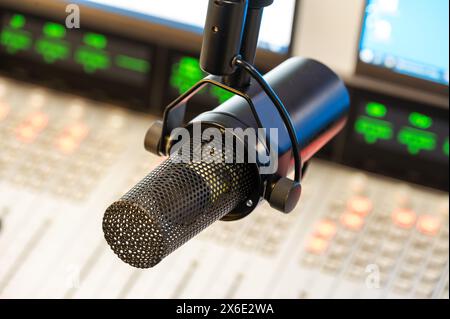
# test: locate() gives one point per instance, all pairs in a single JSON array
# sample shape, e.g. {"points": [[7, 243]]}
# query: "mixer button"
{"points": [[281, 225], [345, 237], [67, 145], [77, 131], [392, 248], [398, 234], [445, 233], [390, 251], [268, 250], [402, 197], [339, 251], [404, 218], [444, 209], [415, 256], [37, 98], [3, 88], [26, 134], [362, 259], [409, 271], [356, 272], [429, 225], [4, 110], [381, 219], [337, 205], [309, 260], [38, 121], [334, 214], [359, 184], [360, 205], [442, 246], [421, 242]]}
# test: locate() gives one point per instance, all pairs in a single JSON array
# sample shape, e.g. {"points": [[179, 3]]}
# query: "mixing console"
{"points": [[63, 160]]}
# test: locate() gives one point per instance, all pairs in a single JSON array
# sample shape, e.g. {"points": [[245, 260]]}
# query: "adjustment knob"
{"points": [[285, 195], [258, 4]]}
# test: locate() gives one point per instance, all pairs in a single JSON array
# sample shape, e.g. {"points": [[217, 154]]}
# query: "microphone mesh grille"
{"points": [[174, 203]]}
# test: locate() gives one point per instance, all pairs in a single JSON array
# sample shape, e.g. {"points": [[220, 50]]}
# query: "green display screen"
{"points": [[413, 133], [13, 36], [132, 64], [445, 147], [54, 30], [89, 52], [420, 121], [375, 109]]}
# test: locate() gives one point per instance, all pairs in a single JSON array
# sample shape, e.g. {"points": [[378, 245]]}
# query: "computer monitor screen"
{"points": [[275, 35], [408, 37]]}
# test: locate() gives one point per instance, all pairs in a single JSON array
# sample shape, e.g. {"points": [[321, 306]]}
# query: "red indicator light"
{"points": [[4, 111], [429, 225], [71, 138], [317, 246], [38, 121], [360, 205], [31, 127], [26, 133], [67, 145], [78, 131]]}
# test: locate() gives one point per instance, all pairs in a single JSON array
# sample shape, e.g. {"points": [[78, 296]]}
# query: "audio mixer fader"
{"points": [[64, 159]]}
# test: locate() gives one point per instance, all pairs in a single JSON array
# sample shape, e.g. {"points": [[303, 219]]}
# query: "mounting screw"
{"points": [[153, 137]]}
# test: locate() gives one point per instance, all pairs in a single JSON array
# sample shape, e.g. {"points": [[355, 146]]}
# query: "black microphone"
{"points": [[182, 196], [174, 203]]}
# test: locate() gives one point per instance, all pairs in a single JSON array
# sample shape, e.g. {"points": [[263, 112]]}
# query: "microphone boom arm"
{"points": [[305, 101]]}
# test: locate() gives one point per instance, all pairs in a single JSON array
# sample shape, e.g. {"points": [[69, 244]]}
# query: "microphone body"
{"points": [[182, 197]]}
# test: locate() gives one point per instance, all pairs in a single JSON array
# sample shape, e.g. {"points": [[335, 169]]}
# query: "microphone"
{"points": [[182, 196]]}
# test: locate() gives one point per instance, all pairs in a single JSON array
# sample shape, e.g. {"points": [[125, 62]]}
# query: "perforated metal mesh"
{"points": [[174, 203]]}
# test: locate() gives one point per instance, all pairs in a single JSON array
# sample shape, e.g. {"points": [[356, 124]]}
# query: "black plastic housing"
{"points": [[222, 36]]}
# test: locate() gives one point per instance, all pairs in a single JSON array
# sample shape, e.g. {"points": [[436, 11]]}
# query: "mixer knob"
{"points": [[402, 197], [359, 184], [3, 88]]}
